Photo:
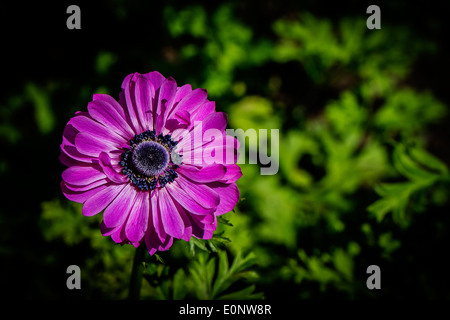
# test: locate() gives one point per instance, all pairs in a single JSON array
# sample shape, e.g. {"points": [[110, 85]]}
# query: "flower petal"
{"points": [[233, 174], [68, 161], [229, 196], [187, 229], [129, 102], [144, 95], [203, 229], [203, 111], [117, 211], [156, 216], [101, 199], [82, 196], [138, 219], [108, 169], [88, 145], [81, 176], [108, 231], [216, 120], [203, 195], [155, 78], [118, 235], [153, 242], [208, 173], [107, 115], [86, 124], [111, 101], [190, 102], [185, 200], [165, 100], [182, 92], [171, 219], [88, 186]]}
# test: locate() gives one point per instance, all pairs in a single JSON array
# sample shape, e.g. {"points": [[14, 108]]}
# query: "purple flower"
{"points": [[157, 163]]}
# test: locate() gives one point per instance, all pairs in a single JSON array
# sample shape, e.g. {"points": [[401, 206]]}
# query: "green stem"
{"points": [[136, 273]]}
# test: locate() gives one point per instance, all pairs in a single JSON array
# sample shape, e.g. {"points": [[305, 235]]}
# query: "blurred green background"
{"points": [[363, 149]]}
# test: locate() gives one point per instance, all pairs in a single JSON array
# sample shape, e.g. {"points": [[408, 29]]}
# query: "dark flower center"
{"points": [[150, 160]]}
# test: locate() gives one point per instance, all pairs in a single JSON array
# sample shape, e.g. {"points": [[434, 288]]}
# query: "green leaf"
{"points": [[428, 160], [213, 280], [409, 168], [246, 294], [179, 285], [222, 220], [397, 197]]}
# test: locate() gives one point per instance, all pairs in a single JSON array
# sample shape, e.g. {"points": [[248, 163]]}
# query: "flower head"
{"points": [[157, 162]]}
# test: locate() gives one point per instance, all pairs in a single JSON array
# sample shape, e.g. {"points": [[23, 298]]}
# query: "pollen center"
{"points": [[150, 158]]}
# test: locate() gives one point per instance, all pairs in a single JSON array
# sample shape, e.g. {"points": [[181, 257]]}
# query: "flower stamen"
{"points": [[150, 160]]}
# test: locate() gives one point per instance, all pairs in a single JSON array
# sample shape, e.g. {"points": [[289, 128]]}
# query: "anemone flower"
{"points": [[158, 162]]}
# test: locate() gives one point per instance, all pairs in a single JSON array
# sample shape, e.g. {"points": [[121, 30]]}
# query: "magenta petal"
{"points": [[191, 101], [117, 211], [182, 92], [111, 101], [165, 100], [107, 115], [203, 111], [153, 241], [208, 173], [138, 219], [143, 95], [86, 124], [172, 221], [88, 186], [185, 200], [71, 152], [128, 87], [216, 120], [155, 78], [110, 172], [88, 145], [166, 244], [219, 151], [203, 229], [118, 235], [229, 196], [184, 117], [82, 196], [101, 200], [82, 175], [106, 231], [68, 161], [233, 174], [203, 195], [154, 244], [187, 232], [69, 134], [156, 216]]}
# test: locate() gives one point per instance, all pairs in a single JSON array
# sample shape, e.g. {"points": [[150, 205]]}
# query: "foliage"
{"points": [[205, 280]]}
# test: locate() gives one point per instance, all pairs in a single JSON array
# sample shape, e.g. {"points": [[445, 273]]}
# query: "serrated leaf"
{"points": [[194, 242], [393, 189], [222, 220], [179, 285], [159, 258], [428, 160], [380, 208], [407, 167], [246, 294]]}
